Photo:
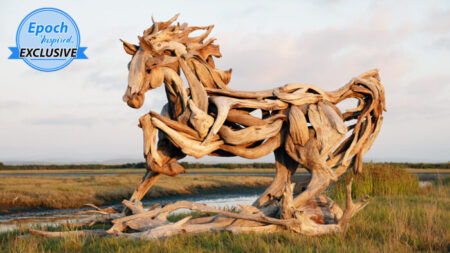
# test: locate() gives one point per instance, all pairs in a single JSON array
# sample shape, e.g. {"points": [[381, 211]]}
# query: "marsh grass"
{"points": [[417, 221], [376, 180], [74, 192], [401, 217], [95, 171], [128, 171], [24, 193]]}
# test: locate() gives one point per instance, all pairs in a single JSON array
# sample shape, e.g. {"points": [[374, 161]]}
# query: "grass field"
{"points": [[188, 171], [187, 165], [21, 193], [128, 171], [30, 192], [417, 221]]}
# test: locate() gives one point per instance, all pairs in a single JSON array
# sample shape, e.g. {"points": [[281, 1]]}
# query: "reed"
{"points": [[376, 180]]}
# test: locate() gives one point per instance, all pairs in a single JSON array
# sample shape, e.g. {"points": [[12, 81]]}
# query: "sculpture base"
{"points": [[320, 215]]}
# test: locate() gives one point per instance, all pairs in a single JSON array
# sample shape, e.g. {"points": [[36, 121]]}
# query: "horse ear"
{"points": [[145, 44], [129, 48]]}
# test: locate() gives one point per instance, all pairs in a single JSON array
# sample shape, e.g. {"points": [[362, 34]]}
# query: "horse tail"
{"points": [[369, 92]]}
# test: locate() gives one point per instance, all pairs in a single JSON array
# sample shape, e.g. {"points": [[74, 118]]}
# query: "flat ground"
{"points": [[418, 221]]}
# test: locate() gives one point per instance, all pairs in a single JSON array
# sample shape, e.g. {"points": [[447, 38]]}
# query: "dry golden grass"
{"points": [[73, 192], [203, 170], [128, 171]]}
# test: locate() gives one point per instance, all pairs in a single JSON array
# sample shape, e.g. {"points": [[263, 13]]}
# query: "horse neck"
{"points": [[176, 94]]}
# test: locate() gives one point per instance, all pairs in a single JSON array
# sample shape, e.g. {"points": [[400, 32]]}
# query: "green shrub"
{"points": [[376, 180]]}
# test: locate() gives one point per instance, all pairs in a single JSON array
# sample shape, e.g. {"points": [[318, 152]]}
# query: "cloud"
{"points": [[8, 105], [425, 98], [106, 81], [436, 28], [63, 121], [327, 57], [437, 22], [442, 42]]}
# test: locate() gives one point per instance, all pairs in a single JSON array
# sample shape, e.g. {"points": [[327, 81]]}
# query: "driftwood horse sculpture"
{"points": [[300, 123]]}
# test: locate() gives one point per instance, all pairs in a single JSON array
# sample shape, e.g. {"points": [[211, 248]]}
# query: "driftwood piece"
{"points": [[326, 124], [302, 222], [97, 232], [250, 134], [198, 92], [149, 139], [188, 146], [224, 104], [255, 152], [148, 180], [200, 120], [299, 122], [298, 126]]}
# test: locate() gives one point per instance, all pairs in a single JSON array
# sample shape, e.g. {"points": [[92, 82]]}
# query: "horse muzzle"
{"points": [[135, 101]]}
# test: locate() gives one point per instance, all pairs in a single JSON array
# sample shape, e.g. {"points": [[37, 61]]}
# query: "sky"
{"points": [[76, 115]]}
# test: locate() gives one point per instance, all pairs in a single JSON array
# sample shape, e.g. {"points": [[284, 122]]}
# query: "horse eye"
{"points": [[169, 52], [148, 71]]}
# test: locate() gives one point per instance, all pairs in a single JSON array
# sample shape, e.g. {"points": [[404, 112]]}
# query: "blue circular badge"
{"points": [[48, 39]]}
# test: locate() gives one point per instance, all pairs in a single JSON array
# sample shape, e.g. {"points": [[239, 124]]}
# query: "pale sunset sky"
{"points": [[76, 115]]}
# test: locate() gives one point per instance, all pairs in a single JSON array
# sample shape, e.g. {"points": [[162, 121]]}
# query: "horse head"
{"points": [[159, 51], [146, 69]]}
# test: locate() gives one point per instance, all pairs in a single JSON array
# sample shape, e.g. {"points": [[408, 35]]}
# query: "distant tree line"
{"points": [[227, 165], [420, 165], [188, 165]]}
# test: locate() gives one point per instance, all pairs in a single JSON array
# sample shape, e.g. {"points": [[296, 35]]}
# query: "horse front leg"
{"points": [[148, 180], [160, 159]]}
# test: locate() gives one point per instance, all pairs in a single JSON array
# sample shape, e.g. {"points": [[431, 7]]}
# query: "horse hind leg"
{"points": [[311, 201], [285, 167]]}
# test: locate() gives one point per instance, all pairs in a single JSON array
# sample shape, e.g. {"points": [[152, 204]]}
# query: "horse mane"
{"points": [[198, 53]]}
